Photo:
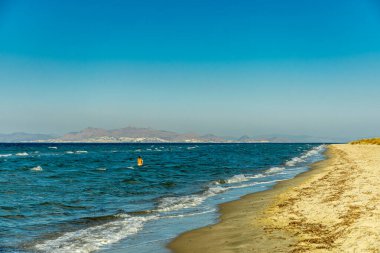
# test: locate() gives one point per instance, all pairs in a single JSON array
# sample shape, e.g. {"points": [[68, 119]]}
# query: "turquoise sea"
{"points": [[93, 197]]}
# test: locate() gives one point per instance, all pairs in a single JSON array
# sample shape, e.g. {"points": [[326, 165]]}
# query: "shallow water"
{"points": [[93, 197]]}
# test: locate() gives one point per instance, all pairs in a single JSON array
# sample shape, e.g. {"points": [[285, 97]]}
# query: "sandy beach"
{"points": [[331, 208]]}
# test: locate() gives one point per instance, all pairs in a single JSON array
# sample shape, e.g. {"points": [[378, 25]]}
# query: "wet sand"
{"points": [[334, 207]]}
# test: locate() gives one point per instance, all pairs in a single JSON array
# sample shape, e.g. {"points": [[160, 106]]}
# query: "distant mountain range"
{"points": [[24, 137], [148, 135]]}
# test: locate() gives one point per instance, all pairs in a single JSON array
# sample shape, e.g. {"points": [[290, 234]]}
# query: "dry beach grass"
{"points": [[373, 141]]}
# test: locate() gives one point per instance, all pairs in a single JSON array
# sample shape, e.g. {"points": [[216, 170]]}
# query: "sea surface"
{"points": [[93, 197]]}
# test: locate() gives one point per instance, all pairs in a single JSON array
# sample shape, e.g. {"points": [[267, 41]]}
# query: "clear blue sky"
{"points": [[224, 67]]}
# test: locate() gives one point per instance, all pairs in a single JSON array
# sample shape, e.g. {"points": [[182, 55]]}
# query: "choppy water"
{"points": [[93, 197]]}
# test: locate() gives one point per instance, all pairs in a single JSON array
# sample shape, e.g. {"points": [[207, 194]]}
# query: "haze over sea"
{"points": [[230, 68], [93, 197]]}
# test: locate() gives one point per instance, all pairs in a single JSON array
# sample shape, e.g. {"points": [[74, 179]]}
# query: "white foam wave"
{"points": [[214, 190], [22, 154], [77, 152], [101, 169], [252, 184], [314, 151], [53, 147], [190, 214], [169, 204], [5, 155], [37, 168], [274, 170], [294, 161], [177, 203], [237, 179], [256, 176], [93, 238]]}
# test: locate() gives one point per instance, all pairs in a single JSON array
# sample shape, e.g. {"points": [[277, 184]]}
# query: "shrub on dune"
{"points": [[373, 141]]}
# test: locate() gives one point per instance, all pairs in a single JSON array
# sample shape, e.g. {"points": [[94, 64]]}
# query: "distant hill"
{"points": [[247, 139], [24, 137], [133, 134], [283, 138], [148, 135]]}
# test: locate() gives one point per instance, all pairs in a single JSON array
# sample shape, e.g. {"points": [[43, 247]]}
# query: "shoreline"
{"points": [[318, 210]]}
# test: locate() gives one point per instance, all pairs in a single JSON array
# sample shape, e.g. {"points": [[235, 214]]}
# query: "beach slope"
{"points": [[331, 208]]}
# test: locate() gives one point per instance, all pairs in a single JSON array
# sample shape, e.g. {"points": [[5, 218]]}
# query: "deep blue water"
{"points": [[93, 197]]}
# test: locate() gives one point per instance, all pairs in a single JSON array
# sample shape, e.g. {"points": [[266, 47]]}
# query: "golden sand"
{"points": [[335, 207]]}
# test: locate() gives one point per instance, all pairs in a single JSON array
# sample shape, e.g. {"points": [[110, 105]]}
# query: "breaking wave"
{"points": [[169, 204], [37, 168], [237, 179], [314, 151], [93, 238], [77, 152], [22, 154], [81, 152], [275, 170]]}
